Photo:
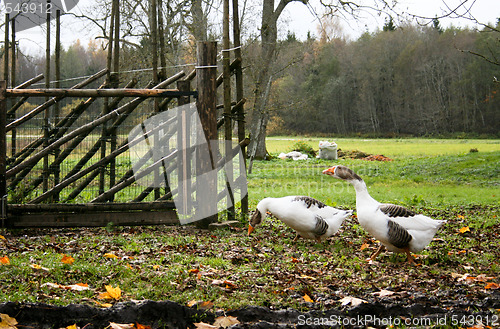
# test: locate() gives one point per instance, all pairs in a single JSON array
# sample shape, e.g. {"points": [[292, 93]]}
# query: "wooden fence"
{"points": [[36, 191]]}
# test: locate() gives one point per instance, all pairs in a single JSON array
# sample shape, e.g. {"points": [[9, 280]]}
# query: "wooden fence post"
{"points": [[3, 151], [183, 157], [206, 74], [239, 97]]}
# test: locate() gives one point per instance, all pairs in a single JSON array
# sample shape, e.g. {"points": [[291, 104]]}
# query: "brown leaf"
{"points": [[383, 293], [202, 325], [352, 300], [225, 321], [205, 305]]}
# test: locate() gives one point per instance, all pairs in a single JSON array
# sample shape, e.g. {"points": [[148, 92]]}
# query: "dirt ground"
{"points": [[415, 311]]}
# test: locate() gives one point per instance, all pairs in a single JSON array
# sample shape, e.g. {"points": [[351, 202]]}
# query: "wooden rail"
{"points": [[121, 92]]}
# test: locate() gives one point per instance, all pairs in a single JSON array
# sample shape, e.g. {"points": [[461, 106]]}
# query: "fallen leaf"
{"points": [[192, 303], [4, 260], [114, 292], [67, 260], [307, 298], [79, 286], [39, 267], [141, 326], [464, 230], [194, 270], [110, 255], [202, 325], [105, 305], [73, 326], [113, 325], [460, 217], [307, 277], [352, 300], [364, 246], [2, 237], [225, 321], [7, 322], [295, 260], [205, 305], [492, 285], [111, 293], [383, 293]]}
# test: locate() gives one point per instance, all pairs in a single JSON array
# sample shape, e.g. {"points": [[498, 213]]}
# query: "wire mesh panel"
{"points": [[78, 152]]}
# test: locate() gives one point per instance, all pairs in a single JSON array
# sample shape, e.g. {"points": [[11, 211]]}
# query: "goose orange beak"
{"points": [[329, 171], [250, 229]]}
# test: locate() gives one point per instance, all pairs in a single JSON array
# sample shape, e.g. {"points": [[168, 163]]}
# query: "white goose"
{"points": [[397, 228], [310, 218]]}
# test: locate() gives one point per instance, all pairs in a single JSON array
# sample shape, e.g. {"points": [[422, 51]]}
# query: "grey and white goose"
{"points": [[397, 228], [310, 218]]}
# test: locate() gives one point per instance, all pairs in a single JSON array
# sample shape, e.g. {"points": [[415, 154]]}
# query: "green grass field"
{"points": [[440, 178]]}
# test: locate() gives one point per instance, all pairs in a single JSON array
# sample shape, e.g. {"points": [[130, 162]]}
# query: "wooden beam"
{"points": [[166, 217], [121, 92]]}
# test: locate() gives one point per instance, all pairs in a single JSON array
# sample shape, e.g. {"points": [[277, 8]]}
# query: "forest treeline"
{"points": [[409, 80]]}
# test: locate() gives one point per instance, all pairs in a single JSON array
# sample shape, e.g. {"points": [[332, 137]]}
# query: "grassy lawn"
{"points": [[440, 178]]}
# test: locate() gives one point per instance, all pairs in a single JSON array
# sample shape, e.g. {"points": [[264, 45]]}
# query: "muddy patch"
{"points": [[382, 313]]}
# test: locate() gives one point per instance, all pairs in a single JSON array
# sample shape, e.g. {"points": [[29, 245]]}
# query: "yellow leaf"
{"points": [[67, 260], [307, 298], [38, 267], [114, 292], [460, 217], [7, 322], [156, 267], [464, 230], [73, 326], [2, 237], [110, 255], [4, 260], [105, 305], [364, 246], [113, 325]]}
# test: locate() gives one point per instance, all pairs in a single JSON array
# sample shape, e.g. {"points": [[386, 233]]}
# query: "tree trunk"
{"points": [[260, 115]]}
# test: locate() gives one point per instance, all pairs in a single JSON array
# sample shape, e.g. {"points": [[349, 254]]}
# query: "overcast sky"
{"points": [[301, 19]]}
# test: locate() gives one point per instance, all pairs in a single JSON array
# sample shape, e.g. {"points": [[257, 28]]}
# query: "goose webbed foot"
{"points": [[375, 254]]}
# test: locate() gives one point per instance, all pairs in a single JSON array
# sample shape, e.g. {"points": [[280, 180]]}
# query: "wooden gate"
{"points": [[75, 172]]}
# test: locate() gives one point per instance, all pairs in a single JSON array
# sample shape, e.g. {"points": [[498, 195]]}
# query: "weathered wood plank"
{"points": [[120, 92], [124, 218]]}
